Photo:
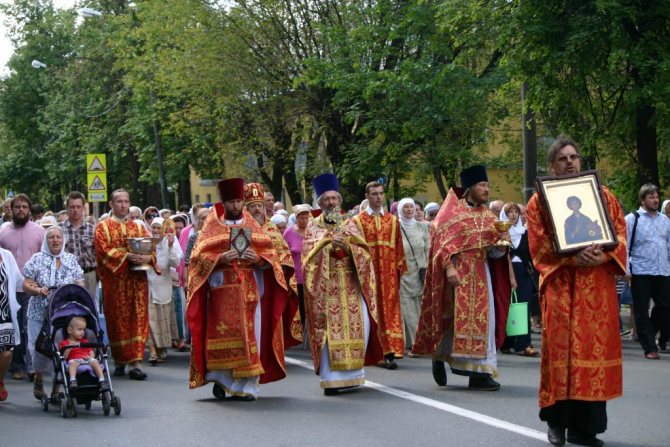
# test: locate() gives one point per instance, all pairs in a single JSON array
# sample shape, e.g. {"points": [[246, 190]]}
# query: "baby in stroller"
{"points": [[74, 336], [77, 356]]}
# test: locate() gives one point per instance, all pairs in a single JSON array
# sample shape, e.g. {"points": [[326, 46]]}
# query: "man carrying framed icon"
{"points": [[581, 346]]}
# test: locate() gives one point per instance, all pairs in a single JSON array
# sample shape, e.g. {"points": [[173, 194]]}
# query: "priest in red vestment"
{"points": [[125, 292], [382, 234], [339, 284], [468, 287], [581, 345], [255, 205], [234, 311]]}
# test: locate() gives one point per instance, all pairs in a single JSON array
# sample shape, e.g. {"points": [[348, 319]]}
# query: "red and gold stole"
{"points": [[466, 232], [223, 325], [382, 234]]}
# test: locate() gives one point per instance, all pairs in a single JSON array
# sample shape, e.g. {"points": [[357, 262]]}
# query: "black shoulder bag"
{"points": [[422, 270]]}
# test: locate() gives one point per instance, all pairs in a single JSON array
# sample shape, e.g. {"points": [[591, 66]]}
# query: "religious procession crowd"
{"points": [[238, 282]]}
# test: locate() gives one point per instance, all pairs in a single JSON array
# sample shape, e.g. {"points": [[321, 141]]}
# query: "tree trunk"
{"points": [[645, 137], [437, 175]]}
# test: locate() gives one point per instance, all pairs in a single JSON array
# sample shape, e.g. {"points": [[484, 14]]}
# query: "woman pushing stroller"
{"points": [[51, 267]]}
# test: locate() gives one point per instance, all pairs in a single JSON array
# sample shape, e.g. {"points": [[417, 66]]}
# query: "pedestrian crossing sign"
{"points": [[97, 187], [96, 173]]}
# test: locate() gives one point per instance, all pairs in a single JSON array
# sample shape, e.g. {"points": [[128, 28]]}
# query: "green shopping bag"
{"points": [[517, 318]]}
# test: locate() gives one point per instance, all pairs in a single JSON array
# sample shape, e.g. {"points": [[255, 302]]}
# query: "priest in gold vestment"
{"points": [[382, 234], [339, 285], [125, 292], [581, 345], [234, 311]]}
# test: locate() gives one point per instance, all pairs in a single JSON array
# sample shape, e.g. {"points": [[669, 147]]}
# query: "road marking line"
{"points": [[484, 419]]}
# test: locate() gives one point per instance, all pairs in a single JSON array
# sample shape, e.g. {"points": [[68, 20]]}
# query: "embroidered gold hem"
{"points": [[472, 367], [341, 383]]}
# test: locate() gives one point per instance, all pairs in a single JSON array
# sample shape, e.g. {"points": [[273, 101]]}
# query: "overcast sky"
{"points": [[6, 48]]}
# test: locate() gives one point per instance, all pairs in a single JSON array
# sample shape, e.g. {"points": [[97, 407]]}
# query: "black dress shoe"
{"points": [[556, 435], [247, 398], [218, 391], [439, 373], [483, 384], [330, 391], [120, 371], [136, 374], [579, 438], [336, 390], [389, 363]]}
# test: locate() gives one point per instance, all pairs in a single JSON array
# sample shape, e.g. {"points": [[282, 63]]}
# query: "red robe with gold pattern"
{"points": [[221, 319], [293, 332], [334, 282], [382, 234], [125, 292], [581, 345], [462, 311]]}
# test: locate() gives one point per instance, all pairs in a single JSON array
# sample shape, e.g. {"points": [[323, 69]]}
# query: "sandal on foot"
{"points": [[38, 388], [153, 359]]}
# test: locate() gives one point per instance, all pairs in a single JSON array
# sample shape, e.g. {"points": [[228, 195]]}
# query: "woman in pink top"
{"points": [[294, 236]]}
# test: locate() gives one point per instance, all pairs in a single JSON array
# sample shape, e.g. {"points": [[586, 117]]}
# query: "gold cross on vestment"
{"points": [[221, 327]]}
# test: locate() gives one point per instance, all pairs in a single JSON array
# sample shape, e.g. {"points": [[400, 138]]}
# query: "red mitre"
{"points": [[253, 192], [231, 189]]}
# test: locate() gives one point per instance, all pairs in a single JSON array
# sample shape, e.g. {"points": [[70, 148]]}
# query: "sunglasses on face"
{"points": [[152, 215]]}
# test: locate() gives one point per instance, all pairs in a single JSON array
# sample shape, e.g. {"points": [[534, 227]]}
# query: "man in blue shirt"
{"points": [[649, 267]]}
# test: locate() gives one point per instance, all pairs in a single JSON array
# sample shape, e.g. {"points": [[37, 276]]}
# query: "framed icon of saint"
{"points": [[576, 210], [240, 239]]}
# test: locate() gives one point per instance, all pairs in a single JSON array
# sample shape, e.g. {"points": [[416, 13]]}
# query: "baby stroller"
{"points": [[64, 303]]}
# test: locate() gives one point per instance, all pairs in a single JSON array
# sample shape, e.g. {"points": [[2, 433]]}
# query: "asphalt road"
{"points": [[396, 408]]}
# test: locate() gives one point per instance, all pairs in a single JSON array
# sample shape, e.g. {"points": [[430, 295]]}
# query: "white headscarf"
{"points": [[665, 203], [47, 252], [431, 206], [278, 219], [404, 221], [516, 231]]}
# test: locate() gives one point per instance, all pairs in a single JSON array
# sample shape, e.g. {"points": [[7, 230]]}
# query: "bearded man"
{"points": [[339, 285], [236, 327], [466, 296], [23, 238]]}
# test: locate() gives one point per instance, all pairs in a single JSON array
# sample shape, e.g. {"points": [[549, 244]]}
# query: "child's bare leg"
{"points": [[72, 369], [95, 366]]}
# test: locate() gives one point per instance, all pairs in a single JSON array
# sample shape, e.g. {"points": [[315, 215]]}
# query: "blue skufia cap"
{"points": [[325, 182]]}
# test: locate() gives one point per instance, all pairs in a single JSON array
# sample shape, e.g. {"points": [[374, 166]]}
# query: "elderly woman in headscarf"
{"points": [[523, 268], [416, 243], [168, 256], [280, 222], [10, 280], [51, 267]]}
